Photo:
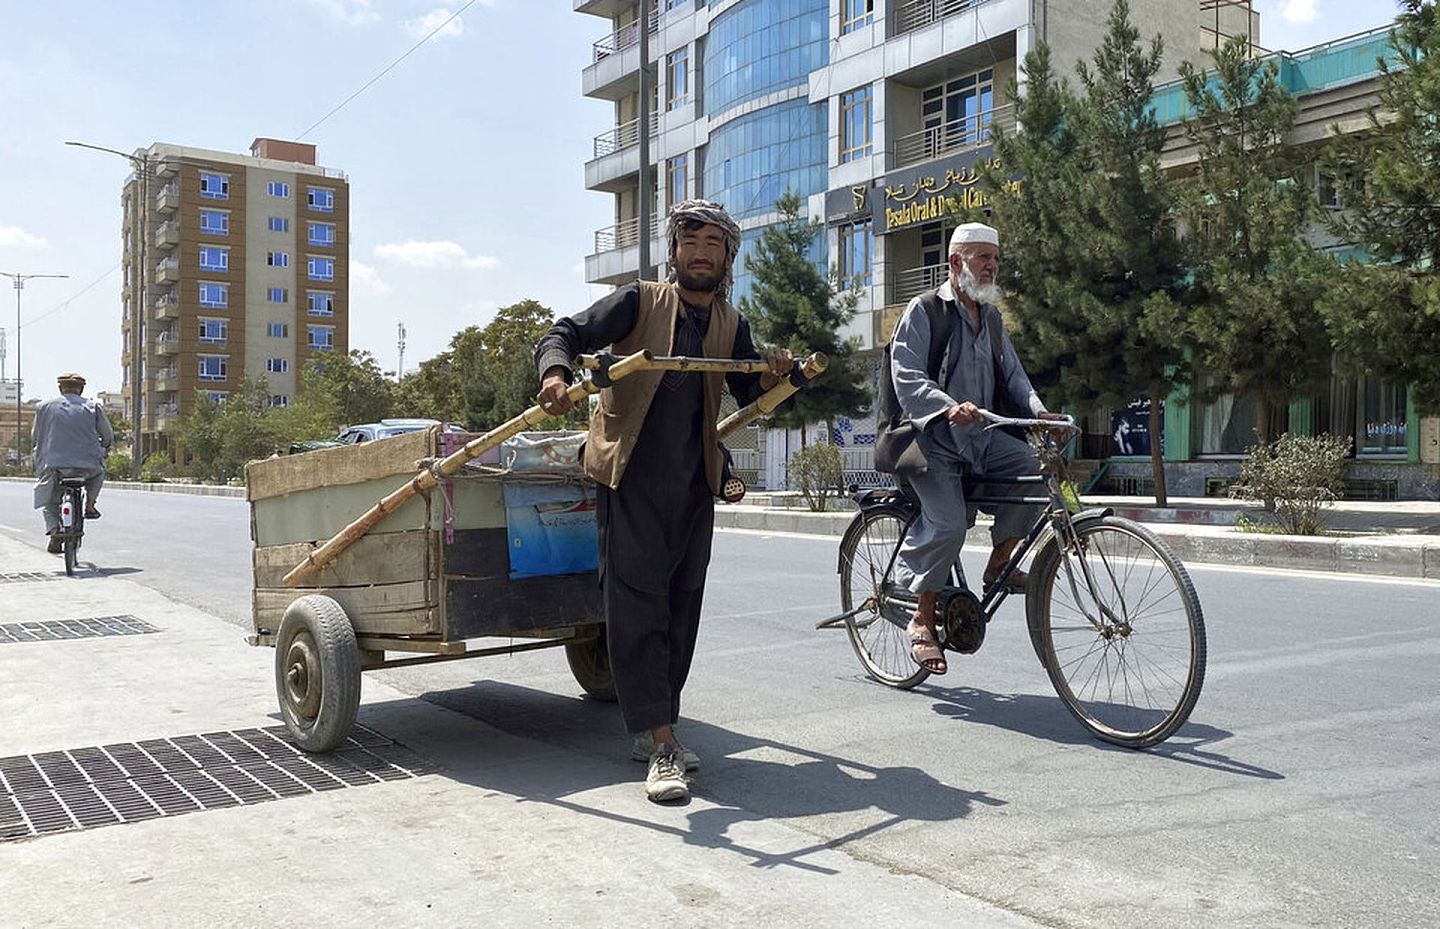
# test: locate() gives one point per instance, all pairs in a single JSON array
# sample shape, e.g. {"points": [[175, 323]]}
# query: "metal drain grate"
{"points": [[89, 628], [24, 577], [83, 788]]}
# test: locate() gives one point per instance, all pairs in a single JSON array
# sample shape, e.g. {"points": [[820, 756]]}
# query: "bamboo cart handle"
{"points": [[612, 370], [806, 371], [684, 363]]}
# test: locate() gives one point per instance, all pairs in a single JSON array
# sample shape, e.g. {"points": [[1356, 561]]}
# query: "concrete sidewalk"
{"points": [[504, 830]]}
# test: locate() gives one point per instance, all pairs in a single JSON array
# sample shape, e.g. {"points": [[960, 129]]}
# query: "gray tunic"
{"points": [[71, 432], [971, 376]]}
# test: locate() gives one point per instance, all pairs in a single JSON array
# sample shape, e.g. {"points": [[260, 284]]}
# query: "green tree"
{"points": [[222, 436], [433, 390], [1386, 315], [1091, 252], [495, 365], [1254, 327], [792, 305], [342, 390]]}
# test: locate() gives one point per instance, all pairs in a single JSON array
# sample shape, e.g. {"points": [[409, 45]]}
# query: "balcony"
{"points": [[168, 235], [167, 381], [910, 283], [168, 199], [909, 15], [617, 154], [167, 344], [624, 234], [617, 251], [614, 71], [961, 135], [167, 416], [167, 271], [167, 167], [167, 306]]}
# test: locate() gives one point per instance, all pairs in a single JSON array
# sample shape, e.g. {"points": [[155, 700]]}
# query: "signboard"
{"points": [[1130, 429], [913, 196]]}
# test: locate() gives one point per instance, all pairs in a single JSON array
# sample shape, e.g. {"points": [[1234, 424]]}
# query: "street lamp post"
{"points": [[20, 280], [141, 164]]}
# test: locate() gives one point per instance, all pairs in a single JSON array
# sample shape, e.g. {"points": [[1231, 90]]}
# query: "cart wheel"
{"points": [[317, 673], [590, 663]]}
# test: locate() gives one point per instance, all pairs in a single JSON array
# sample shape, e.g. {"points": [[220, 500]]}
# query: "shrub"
{"points": [[817, 471], [156, 468], [1296, 477], [119, 466]]}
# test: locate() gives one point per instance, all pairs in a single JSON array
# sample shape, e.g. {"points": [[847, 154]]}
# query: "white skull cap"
{"points": [[979, 233]]}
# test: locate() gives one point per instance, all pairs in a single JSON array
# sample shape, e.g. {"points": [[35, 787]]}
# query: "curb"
{"points": [[197, 490], [1385, 556]]}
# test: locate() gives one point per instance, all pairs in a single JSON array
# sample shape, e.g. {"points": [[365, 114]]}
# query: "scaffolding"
{"points": [[1222, 20]]}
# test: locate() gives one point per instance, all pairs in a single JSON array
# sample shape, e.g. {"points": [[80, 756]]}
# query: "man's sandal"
{"points": [[925, 649]]}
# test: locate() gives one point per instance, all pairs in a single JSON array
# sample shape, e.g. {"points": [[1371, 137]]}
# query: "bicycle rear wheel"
{"points": [[1132, 676], [73, 531], [877, 632]]}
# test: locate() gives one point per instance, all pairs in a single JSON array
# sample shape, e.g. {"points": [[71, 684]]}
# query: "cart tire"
{"points": [[317, 673], [590, 663]]}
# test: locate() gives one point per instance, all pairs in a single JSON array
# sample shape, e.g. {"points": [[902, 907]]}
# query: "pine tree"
{"points": [[1255, 326], [1088, 240], [495, 365], [792, 305], [1386, 315]]}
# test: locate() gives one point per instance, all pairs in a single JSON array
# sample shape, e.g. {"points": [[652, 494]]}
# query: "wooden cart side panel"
{"points": [[320, 513], [477, 607], [332, 467], [388, 609], [382, 558]]}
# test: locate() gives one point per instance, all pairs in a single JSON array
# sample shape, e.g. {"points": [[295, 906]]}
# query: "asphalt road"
{"points": [[1302, 793]]}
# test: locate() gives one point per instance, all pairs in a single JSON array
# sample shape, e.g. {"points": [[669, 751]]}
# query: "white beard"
{"points": [[980, 293]]}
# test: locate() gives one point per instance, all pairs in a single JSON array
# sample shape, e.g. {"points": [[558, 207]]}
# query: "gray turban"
{"points": [[709, 213]]}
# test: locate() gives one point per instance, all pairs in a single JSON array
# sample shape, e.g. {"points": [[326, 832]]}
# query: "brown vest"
{"points": [[616, 424]]}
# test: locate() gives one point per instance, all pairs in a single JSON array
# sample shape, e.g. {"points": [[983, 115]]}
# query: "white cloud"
{"points": [[439, 254], [15, 237], [367, 279], [1298, 11], [349, 12], [422, 26]]}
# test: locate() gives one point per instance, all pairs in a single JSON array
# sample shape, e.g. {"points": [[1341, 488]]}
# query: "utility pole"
{"points": [[647, 207], [400, 344], [2, 356], [20, 280]]}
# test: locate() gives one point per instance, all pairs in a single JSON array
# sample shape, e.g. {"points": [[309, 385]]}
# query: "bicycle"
{"points": [[72, 520], [1112, 613]]}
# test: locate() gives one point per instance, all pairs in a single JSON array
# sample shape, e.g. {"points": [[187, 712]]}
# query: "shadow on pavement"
{"points": [[749, 779], [1045, 717]]}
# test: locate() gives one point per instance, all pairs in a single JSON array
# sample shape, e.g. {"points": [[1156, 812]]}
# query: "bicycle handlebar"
{"points": [[996, 421]]}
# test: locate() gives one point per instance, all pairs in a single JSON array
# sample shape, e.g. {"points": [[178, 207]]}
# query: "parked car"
{"points": [[384, 429]]}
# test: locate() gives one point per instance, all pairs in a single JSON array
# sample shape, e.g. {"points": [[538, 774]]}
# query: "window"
{"points": [[855, 14], [214, 258], [321, 199], [322, 233], [218, 396], [277, 259], [280, 400], [278, 330], [214, 367], [213, 330], [321, 337], [278, 189], [278, 224], [1330, 189], [677, 172], [322, 303], [677, 78], [321, 269], [855, 124], [957, 113], [855, 245], [214, 186], [214, 222], [277, 365], [277, 295], [214, 295]]}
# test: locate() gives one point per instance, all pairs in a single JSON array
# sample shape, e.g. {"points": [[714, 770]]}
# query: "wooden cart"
{"points": [[432, 582]]}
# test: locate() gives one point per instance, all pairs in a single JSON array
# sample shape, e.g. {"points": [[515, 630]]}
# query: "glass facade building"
{"points": [[758, 47]]}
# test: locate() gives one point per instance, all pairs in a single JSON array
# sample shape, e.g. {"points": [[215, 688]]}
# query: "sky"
{"points": [[465, 161]]}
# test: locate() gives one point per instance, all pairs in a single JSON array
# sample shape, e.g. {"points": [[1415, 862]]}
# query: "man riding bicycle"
{"points": [[950, 358], [72, 436]]}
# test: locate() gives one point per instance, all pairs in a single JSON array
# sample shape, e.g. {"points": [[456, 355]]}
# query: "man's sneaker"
{"points": [[666, 778], [644, 746]]}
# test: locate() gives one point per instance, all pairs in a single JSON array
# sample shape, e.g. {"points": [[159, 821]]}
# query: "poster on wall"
{"points": [[1130, 429]]}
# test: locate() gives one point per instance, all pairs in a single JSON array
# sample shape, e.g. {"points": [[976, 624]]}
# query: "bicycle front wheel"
{"points": [[867, 567], [1125, 648]]}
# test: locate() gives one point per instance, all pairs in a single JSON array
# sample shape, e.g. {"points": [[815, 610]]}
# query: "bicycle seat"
{"points": [[72, 482]]}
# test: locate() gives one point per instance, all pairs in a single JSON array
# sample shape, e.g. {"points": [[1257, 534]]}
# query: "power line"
{"points": [[65, 304], [388, 68]]}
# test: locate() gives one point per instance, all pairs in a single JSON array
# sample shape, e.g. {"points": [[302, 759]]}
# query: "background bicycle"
{"points": [[1112, 613]]}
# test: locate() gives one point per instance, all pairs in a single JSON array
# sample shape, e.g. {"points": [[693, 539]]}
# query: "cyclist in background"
{"points": [[72, 437]]}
